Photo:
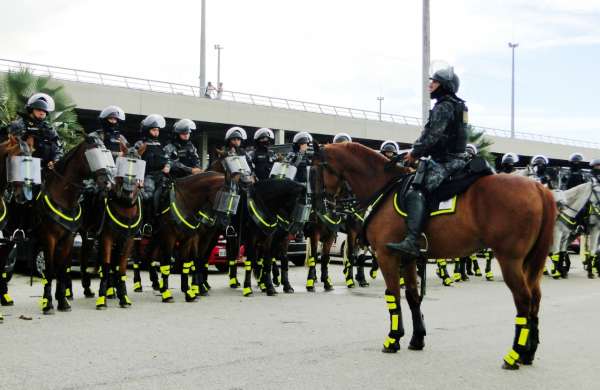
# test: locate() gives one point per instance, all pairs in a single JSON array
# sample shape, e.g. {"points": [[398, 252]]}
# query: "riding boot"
{"points": [[276, 273], [124, 300], [416, 209], [287, 287], [5, 299], [360, 271], [325, 279], [232, 248]]}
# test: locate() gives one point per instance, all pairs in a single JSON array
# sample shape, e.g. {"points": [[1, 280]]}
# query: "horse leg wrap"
{"points": [[247, 291], [360, 272], [456, 276], [46, 300], [520, 344], [267, 281], [469, 265], [476, 269], [5, 299], [443, 272], [196, 276], [153, 271], [348, 269], [233, 281], [137, 277], [62, 303], [528, 356], [101, 301], [276, 272], [596, 264], [165, 271], [565, 265], [489, 275], [190, 295], [204, 271], [312, 274], [392, 342], [555, 272], [325, 279], [68, 284], [124, 300]]}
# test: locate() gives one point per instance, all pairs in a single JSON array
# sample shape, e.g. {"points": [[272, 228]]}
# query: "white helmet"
{"points": [[510, 158], [112, 112], [389, 146], [302, 137], [471, 149], [40, 101], [342, 137], [264, 132], [539, 159], [236, 132]]}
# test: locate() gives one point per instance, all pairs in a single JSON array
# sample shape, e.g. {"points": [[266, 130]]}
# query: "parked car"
{"points": [[218, 255], [297, 249]]}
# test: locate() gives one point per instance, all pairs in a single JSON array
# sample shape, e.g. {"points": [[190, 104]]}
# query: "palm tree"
{"points": [[17, 87], [482, 143]]}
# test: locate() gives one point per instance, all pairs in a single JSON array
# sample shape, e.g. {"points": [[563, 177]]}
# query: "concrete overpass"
{"points": [[138, 97]]}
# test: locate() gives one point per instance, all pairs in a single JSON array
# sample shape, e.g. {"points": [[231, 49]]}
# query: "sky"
{"points": [[339, 52]]}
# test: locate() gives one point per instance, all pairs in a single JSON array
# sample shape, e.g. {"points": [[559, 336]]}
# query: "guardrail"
{"points": [[85, 76]]}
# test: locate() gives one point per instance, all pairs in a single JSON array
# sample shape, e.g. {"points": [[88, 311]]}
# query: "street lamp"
{"points": [[512, 94], [202, 77], [380, 98], [218, 48]]}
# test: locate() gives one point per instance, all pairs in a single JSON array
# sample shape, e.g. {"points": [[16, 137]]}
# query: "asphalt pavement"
{"points": [[300, 341]]}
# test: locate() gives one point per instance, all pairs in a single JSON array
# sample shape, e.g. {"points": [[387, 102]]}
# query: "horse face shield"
{"points": [[130, 175], [102, 165], [23, 172]]}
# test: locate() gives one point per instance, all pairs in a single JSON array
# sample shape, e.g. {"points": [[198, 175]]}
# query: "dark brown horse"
{"points": [[122, 217], [59, 217], [521, 252]]}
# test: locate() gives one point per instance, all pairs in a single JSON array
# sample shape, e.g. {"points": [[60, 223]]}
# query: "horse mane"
{"points": [[360, 151]]}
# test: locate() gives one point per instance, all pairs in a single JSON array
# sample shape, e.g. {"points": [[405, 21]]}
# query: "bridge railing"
{"points": [[85, 76]]}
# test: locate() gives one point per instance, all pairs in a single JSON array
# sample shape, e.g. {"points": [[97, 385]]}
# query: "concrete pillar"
{"points": [[279, 136]]}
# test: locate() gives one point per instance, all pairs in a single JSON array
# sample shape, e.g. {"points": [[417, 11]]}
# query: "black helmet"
{"points": [[510, 158], [342, 137], [576, 158], [236, 132], [448, 80], [302, 137], [41, 101], [152, 121], [184, 126], [264, 132], [112, 112]]}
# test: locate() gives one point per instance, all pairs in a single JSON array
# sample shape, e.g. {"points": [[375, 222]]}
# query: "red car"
{"points": [[218, 255]]}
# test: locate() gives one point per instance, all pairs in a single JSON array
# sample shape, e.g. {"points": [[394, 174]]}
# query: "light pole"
{"points": [[512, 94], [380, 98], [218, 48], [202, 48], [425, 101]]}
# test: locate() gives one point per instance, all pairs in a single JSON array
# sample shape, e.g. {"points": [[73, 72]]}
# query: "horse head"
{"points": [[129, 179]]}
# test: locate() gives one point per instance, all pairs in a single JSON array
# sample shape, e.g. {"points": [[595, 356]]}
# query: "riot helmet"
{"points": [[264, 135], [595, 165], [111, 112], [539, 163], [40, 101], [510, 158], [302, 137], [152, 121], [471, 150], [184, 126], [575, 160], [235, 132], [389, 148], [342, 137], [449, 82]]}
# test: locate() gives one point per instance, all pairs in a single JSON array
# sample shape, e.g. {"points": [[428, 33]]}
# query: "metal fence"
{"points": [[85, 76]]}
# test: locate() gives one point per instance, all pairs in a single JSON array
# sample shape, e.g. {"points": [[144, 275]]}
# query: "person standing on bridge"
{"points": [[444, 140]]}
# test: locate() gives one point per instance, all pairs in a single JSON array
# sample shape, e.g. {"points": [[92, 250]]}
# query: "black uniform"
{"points": [[182, 157], [47, 144], [111, 138], [156, 159], [262, 158]]}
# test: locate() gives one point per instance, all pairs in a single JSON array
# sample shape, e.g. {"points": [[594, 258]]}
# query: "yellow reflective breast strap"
{"points": [[331, 221], [258, 216], [181, 218], [566, 219], [4, 210], [121, 224], [60, 213]]}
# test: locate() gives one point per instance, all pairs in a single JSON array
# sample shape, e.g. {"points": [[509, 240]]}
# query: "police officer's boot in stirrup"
{"points": [[416, 209]]}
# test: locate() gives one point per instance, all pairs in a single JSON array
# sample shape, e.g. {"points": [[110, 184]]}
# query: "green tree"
{"points": [[17, 87], [482, 143]]}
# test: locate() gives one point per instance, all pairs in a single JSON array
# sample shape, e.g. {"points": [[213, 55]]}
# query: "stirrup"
{"points": [[147, 229]]}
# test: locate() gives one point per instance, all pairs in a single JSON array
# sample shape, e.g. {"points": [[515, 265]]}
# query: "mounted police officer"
{"points": [[572, 176], [234, 143], [181, 152], [507, 164], [471, 151], [33, 123], [262, 156], [111, 121], [539, 171], [341, 138], [150, 149], [298, 157], [389, 149], [444, 140]]}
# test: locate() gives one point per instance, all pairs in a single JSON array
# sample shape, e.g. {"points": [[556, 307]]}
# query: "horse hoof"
{"points": [[101, 307], [48, 311], [363, 283], [271, 292], [310, 289], [247, 291], [350, 284], [190, 298], [88, 293], [124, 305], [6, 302], [526, 361], [206, 286], [507, 366], [390, 349], [373, 274], [288, 289], [168, 300], [64, 306], [416, 345], [328, 287], [155, 286]]}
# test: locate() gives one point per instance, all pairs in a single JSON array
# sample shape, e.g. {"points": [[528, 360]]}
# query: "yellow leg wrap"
{"points": [[448, 281], [456, 276], [311, 262], [127, 299], [67, 292], [489, 275], [196, 289], [233, 282], [43, 303], [511, 357], [401, 282], [310, 282], [124, 278], [389, 341], [231, 263], [394, 321], [136, 266], [44, 281], [391, 302], [247, 265], [247, 291], [165, 270], [155, 264], [160, 284], [68, 270], [349, 282], [187, 266], [101, 301], [137, 285], [110, 291], [167, 294], [7, 298]]}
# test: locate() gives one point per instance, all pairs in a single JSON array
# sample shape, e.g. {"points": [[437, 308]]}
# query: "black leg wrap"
{"points": [[520, 345]]}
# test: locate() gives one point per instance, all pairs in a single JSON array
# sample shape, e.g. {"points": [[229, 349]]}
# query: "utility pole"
{"points": [[425, 101], [218, 48], [380, 98], [202, 77], [513, 46]]}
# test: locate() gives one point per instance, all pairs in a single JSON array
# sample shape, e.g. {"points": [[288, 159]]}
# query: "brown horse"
{"points": [[59, 217], [122, 219], [520, 252]]}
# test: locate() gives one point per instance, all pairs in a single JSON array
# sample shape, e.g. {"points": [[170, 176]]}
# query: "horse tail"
{"points": [[536, 258]]}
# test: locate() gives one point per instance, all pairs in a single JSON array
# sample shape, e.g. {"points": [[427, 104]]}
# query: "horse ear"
{"points": [[12, 140]]}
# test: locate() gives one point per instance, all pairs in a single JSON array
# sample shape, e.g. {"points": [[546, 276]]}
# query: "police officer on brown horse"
{"points": [[443, 140]]}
